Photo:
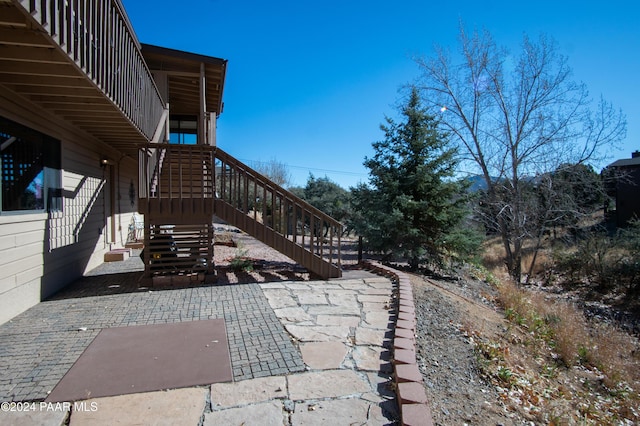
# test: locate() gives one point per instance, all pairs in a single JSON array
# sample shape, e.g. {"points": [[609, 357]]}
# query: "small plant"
{"points": [[481, 273], [509, 313], [491, 351], [583, 355], [542, 327], [240, 262], [505, 375], [549, 371], [520, 320]]}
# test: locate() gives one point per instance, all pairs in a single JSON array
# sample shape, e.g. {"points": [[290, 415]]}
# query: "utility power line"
{"points": [[341, 172]]}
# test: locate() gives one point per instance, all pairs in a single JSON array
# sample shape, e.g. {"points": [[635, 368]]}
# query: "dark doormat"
{"points": [[146, 358]]}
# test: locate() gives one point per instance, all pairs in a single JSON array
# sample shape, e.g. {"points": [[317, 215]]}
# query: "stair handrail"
{"points": [[222, 155], [156, 149], [315, 248], [287, 211]]}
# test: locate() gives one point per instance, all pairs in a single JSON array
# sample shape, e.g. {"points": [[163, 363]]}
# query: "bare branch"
{"points": [[516, 121]]}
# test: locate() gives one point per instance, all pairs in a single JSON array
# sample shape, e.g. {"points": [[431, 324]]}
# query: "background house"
{"points": [[622, 183]]}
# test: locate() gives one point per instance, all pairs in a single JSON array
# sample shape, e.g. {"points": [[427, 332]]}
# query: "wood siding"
{"points": [[41, 253], [21, 262]]}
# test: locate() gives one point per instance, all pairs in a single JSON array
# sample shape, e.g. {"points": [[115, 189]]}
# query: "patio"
{"points": [[39, 346]]}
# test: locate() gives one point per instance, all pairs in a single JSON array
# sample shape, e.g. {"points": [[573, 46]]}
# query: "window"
{"points": [[30, 168], [183, 129]]}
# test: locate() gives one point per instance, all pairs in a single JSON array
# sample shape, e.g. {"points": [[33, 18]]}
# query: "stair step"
{"points": [[135, 245], [182, 187], [117, 255]]}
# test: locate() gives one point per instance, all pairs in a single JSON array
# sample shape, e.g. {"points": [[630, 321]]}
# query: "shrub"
{"points": [[240, 262]]}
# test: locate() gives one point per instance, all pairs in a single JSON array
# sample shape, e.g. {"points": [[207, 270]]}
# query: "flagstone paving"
{"points": [[342, 328]]}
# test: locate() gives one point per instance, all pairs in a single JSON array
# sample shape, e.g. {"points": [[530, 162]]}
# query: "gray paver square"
{"points": [[312, 298], [178, 406], [37, 417], [338, 412], [293, 314], [318, 333], [227, 395], [328, 383]]}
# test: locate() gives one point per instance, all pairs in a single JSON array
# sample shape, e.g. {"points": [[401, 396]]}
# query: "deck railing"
{"points": [[190, 180], [98, 38], [267, 211]]}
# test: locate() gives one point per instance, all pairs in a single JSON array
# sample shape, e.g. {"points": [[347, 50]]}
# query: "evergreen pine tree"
{"points": [[412, 205]]}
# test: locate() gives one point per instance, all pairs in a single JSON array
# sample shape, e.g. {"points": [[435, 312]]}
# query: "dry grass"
{"points": [[563, 338], [575, 340], [588, 371], [493, 258], [543, 261]]}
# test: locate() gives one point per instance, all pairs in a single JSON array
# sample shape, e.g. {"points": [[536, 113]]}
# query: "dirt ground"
{"points": [[480, 369], [446, 312]]}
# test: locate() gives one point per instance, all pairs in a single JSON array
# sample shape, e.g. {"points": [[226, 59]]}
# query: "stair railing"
{"points": [[242, 196], [268, 211]]}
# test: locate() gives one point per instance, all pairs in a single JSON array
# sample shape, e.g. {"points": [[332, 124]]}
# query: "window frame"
{"points": [[51, 170]]}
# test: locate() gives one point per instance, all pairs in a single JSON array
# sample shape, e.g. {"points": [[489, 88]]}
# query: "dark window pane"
{"points": [[24, 153]]}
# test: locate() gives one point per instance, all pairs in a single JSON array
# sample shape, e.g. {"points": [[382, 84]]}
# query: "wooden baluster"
{"points": [[255, 205]]}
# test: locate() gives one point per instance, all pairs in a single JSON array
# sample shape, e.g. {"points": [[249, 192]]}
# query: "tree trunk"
{"points": [[513, 254], [514, 265]]}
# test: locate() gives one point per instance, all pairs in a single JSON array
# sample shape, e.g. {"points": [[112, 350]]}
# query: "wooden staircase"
{"points": [[185, 185]]}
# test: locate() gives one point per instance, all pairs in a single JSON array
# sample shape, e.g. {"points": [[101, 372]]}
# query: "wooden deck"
{"points": [[69, 57]]}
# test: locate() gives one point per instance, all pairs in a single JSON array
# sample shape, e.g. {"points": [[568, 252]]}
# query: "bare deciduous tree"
{"points": [[275, 170], [516, 118]]}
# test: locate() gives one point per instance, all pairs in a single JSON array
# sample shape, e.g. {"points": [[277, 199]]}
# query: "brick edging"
{"points": [[411, 395]]}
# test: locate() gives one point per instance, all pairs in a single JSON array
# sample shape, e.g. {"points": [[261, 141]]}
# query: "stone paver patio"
{"points": [[312, 352], [343, 329], [39, 346]]}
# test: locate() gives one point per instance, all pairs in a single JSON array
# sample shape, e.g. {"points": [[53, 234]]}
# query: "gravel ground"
{"points": [[446, 311]]}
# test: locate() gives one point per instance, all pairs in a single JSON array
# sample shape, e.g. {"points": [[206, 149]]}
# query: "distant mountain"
{"points": [[476, 183]]}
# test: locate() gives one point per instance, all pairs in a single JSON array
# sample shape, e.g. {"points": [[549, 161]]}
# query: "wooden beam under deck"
{"points": [[61, 53]]}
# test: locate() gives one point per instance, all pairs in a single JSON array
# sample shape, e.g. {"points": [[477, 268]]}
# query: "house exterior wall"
{"points": [[628, 195], [21, 262], [42, 252]]}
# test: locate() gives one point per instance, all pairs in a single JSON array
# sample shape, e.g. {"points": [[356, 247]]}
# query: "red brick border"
{"points": [[411, 396]]}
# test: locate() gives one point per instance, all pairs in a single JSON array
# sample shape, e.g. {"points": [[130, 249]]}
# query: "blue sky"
{"points": [[309, 83]]}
